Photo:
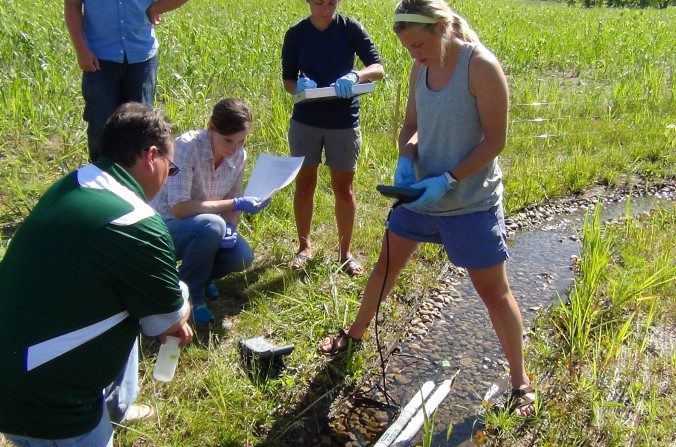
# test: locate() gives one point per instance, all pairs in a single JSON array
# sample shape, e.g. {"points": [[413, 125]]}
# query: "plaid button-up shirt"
{"points": [[197, 178]]}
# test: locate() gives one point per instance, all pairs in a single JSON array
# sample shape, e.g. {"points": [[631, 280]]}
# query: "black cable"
{"points": [[380, 298]]}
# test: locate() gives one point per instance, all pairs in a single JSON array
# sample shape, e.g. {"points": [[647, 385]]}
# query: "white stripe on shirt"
{"points": [[47, 350]]}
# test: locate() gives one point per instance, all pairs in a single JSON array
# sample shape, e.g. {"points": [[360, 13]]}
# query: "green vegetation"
{"points": [[623, 3], [605, 360], [592, 101]]}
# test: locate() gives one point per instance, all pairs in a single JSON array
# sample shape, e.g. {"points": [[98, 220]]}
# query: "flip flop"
{"points": [[341, 343], [351, 266]]}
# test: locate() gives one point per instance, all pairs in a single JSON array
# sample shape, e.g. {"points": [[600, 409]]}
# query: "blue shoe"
{"points": [[212, 291], [202, 315]]}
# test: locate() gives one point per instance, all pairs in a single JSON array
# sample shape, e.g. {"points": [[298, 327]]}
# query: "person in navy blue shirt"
{"points": [[319, 51], [116, 49]]}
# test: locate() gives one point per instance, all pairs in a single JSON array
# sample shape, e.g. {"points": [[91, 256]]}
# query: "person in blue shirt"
{"points": [[116, 49], [319, 51]]}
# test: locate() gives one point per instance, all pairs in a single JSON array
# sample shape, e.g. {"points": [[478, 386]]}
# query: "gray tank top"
{"points": [[449, 129]]}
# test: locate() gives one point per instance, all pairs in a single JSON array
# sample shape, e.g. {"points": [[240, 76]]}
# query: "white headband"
{"points": [[414, 18]]}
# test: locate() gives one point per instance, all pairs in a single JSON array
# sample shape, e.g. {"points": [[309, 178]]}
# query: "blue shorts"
{"points": [[474, 241]]}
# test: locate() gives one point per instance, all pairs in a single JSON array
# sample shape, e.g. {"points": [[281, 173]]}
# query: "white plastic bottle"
{"points": [[167, 360]]}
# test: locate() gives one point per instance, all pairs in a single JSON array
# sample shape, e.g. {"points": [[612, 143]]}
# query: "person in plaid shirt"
{"points": [[201, 204]]}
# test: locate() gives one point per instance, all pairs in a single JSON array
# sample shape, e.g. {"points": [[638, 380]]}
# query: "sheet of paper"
{"points": [[272, 173]]}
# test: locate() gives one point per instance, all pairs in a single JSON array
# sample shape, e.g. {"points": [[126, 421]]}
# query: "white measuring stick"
{"points": [[432, 403], [405, 415]]}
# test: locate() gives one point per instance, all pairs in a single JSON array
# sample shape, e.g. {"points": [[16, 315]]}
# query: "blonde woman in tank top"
{"points": [[454, 128]]}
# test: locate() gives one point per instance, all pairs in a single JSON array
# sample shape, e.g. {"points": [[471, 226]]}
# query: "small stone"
{"points": [[466, 362], [381, 416]]}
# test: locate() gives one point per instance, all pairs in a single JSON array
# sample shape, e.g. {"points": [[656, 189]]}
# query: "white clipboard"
{"points": [[315, 94]]}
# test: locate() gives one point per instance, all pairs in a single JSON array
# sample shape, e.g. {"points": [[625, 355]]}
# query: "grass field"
{"points": [[593, 100]]}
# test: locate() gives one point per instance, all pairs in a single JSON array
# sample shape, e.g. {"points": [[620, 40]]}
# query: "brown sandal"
{"points": [[340, 343], [520, 399]]}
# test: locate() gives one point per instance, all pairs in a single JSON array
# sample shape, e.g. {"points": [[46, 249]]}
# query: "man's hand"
{"points": [[250, 205], [87, 61], [184, 333], [153, 16]]}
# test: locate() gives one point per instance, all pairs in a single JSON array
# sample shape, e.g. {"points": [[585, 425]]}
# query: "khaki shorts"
{"points": [[340, 146]]}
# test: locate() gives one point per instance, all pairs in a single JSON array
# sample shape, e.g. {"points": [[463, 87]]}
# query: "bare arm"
{"points": [[408, 136], [159, 7], [489, 86], [372, 72], [290, 86], [193, 207], [72, 13]]}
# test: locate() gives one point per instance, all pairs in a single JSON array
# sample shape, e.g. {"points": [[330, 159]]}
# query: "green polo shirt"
{"points": [[90, 267]]}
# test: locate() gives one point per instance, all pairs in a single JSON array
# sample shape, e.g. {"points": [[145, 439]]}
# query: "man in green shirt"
{"points": [[91, 267]]}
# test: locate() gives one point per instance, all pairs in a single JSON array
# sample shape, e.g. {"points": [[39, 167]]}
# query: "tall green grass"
{"points": [[603, 79]]}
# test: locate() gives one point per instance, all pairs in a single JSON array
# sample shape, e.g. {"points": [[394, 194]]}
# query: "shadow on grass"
{"points": [[308, 421]]}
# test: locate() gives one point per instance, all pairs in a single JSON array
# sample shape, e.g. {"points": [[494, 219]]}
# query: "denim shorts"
{"points": [[340, 146], [474, 241]]}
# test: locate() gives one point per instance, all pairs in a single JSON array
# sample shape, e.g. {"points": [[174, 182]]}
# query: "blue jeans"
{"points": [[120, 394], [197, 241], [110, 87], [100, 436]]}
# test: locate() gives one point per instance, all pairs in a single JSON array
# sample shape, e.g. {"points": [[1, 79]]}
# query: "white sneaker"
{"points": [[139, 413]]}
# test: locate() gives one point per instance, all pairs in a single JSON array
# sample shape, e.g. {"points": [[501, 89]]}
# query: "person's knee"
{"points": [[210, 227], [344, 193], [305, 189], [239, 259], [495, 297]]}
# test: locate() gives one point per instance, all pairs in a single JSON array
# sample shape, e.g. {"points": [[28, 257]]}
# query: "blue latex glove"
{"points": [[343, 84], [229, 236], [304, 83], [435, 189], [250, 205], [404, 175]]}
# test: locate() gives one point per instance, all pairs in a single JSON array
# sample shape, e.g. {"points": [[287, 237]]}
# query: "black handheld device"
{"points": [[403, 194]]}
